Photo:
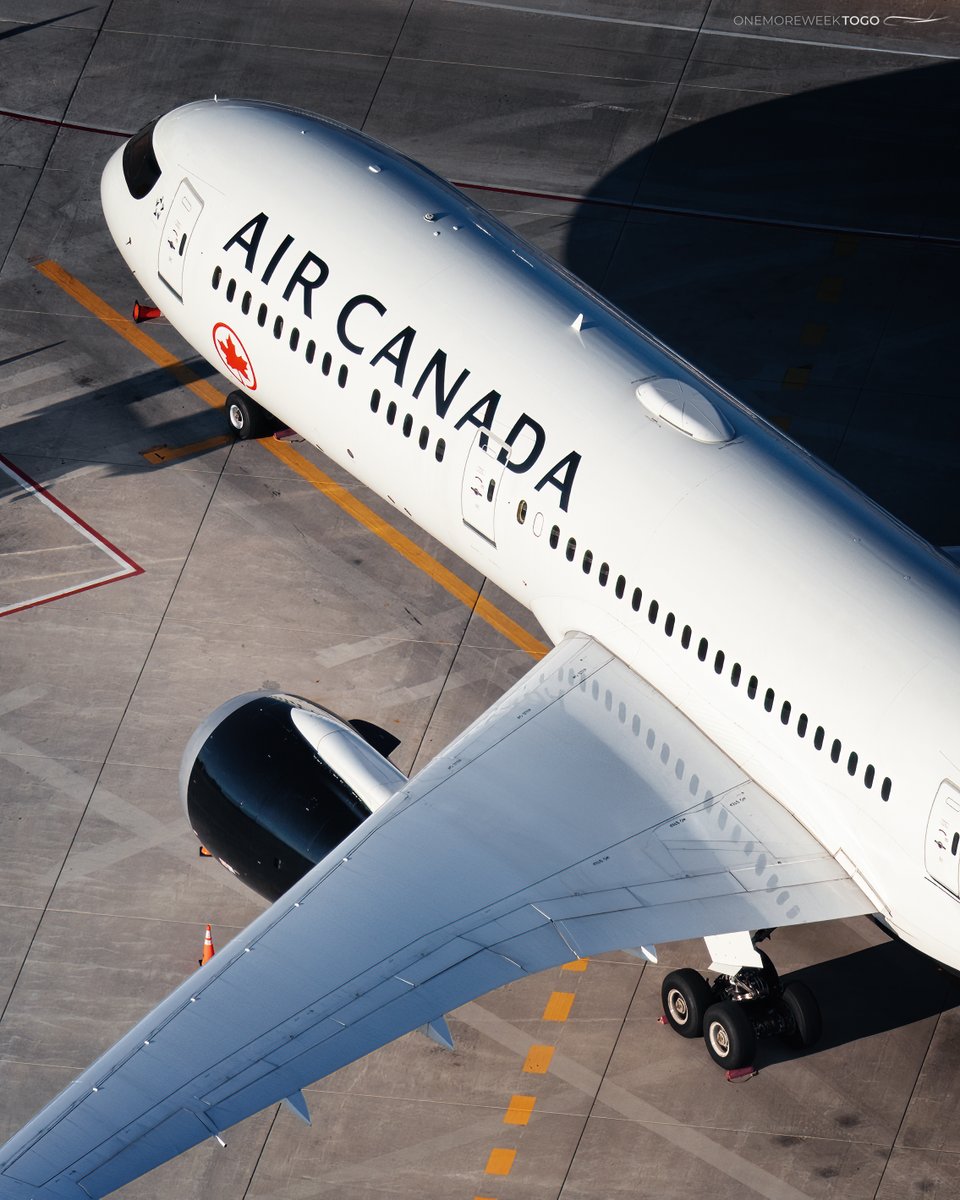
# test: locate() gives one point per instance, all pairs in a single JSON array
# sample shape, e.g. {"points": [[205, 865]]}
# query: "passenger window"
{"points": [[262, 315], [636, 599], [342, 380], [571, 549], [521, 512], [294, 338], [735, 674], [554, 537], [752, 686], [231, 290], [785, 713], [652, 612], [818, 738], [802, 725], [835, 750], [311, 350], [245, 303], [391, 412], [685, 637], [440, 450], [278, 327], [852, 764], [408, 429], [868, 776], [327, 363], [604, 574], [885, 789], [768, 700], [669, 624], [217, 276], [374, 399], [621, 587], [587, 561], [425, 438], [718, 662], [702, 650]]}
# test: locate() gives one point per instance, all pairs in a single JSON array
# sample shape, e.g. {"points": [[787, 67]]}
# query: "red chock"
{"points": [[144, 312]]}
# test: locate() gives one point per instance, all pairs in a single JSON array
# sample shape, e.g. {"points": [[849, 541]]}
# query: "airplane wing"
{"points": [[581, 813]]}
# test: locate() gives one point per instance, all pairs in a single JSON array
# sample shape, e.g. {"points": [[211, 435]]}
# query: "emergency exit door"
{"points": [[942, 852], [175, 239]]}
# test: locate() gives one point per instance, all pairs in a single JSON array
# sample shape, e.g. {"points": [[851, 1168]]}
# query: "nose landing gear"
{"points": [[734, 1010]]}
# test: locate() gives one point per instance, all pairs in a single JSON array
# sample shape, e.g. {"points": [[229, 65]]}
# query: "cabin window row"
{"points": [[280, 331], [391, 412], [718, 660]]}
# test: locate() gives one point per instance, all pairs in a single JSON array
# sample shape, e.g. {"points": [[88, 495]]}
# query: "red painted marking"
{"points": [[662, 1020], [233, 355], [135, 569], [741, 1073], [18, 116]]}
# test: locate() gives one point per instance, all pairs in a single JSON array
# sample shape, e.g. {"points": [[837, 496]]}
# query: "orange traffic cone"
{"points": [[144, 312], [207, 948]]}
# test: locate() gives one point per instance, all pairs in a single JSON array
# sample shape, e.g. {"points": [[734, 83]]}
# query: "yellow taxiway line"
{"points": [[337, 493]]}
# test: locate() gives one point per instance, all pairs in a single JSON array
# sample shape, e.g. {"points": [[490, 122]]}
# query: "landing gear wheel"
{"points": [[729, 1036], [803, 1014], [246, 418], [686, 996]]}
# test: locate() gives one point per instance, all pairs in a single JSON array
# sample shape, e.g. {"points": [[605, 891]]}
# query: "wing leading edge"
{"points": [[581, 813]]}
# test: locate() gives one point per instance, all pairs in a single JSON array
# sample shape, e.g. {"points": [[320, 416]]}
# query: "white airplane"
{"points": [[749, 718]]}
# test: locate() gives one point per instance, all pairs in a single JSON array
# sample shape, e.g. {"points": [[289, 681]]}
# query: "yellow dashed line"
{"points": [[334, 491], [538, 1060], [558, 1006], [519, 1110], [830, 289], [500, 1162], [578, 964], [796, 377], [812, 334]]}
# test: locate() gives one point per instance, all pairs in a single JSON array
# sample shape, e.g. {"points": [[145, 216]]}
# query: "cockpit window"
{"points": [[140, 167]]}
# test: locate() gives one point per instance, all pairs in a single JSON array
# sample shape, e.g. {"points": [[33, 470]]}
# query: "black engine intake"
{"points": [[272, 783]]}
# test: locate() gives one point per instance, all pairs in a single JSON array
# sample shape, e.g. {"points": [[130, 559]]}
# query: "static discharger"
{"points": [[144, 312], [208, 950]]}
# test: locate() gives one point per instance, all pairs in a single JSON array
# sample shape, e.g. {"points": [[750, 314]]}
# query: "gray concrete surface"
{"points": [[779, 203]]}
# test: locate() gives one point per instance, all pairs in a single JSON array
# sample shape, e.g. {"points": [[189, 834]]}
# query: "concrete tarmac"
{"points": [[779, 201]]}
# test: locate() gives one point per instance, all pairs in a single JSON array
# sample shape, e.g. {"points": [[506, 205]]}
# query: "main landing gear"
{"points": [[736, 1009]]}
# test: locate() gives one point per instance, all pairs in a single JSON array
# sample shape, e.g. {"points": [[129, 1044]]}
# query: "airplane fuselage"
{"points": [[581, 465]]}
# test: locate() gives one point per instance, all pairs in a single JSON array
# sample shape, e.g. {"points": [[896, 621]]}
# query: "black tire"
{"points": [[803, 1014], [686, 996], [246, 418], [729, 1036]]}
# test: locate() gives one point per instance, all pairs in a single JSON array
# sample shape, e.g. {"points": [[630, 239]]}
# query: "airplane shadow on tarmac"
{"points": [[746, 291], [871, 991]]}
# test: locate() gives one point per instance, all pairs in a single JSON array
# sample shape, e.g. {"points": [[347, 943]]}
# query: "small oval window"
{"points": [[521, 512]]}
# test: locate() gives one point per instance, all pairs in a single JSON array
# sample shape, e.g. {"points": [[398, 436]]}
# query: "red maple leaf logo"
{"points": [[232, 356]]}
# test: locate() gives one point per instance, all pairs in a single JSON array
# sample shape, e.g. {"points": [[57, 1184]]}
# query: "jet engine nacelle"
{"points": [[272, 783]]}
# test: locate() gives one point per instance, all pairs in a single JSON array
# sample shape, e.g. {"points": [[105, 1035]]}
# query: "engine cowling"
{"points": [[272, 783]]}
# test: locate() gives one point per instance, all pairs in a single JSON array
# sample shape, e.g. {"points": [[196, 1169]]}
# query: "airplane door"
{"points": [[942, 851], [481, 483], [177, 230]]}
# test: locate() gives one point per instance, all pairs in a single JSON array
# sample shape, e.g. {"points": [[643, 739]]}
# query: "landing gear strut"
{"points": [[733, 1011]]}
